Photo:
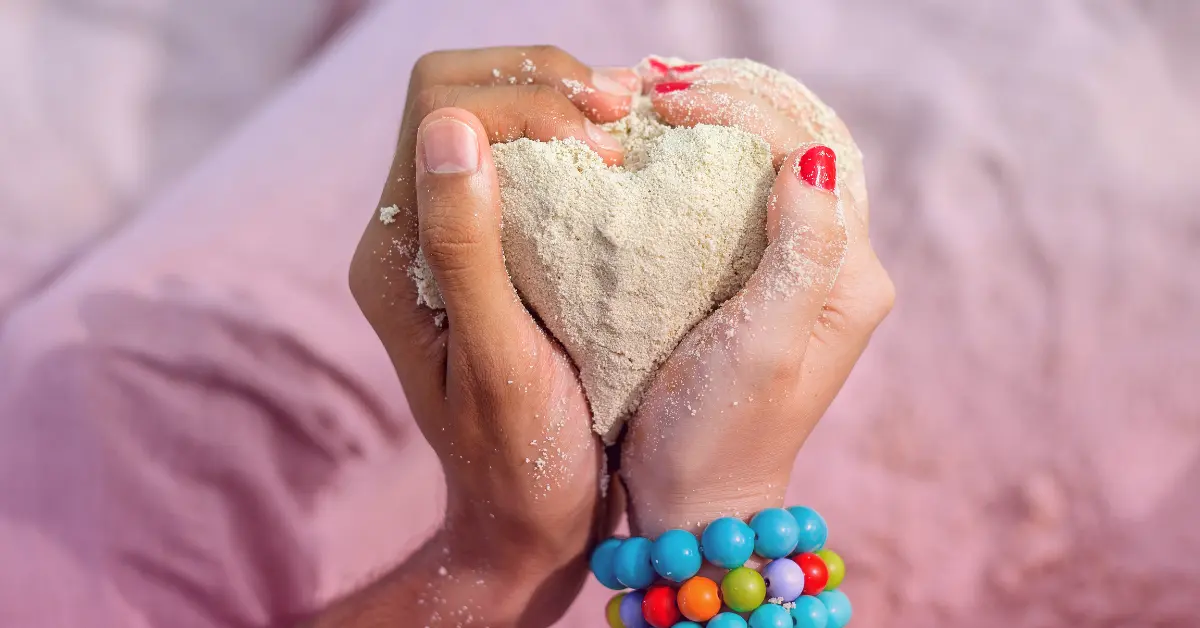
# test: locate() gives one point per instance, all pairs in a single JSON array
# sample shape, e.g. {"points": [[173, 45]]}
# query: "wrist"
{"points": [[522, 572], [654, 509]]}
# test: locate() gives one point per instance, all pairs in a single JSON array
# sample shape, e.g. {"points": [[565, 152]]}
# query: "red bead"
{"points": [[658, 607], [816, 574]]}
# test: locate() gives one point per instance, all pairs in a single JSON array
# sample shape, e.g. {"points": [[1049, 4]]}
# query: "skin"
{"points": [[721, 426], [489, 388]]}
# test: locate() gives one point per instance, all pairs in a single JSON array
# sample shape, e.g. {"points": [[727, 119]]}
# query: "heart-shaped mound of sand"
{"points": [[621, 262]]}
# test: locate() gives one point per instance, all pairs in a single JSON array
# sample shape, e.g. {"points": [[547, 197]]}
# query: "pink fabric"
{"points": [[105, 101], [197, 428]]}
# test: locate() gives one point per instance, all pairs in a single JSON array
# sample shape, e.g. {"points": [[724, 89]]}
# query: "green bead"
{"points": [[835, 566], [743, 589], [612, 611]]}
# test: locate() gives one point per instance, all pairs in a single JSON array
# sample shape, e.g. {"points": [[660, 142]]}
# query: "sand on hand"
{"points": [[619, 263]]}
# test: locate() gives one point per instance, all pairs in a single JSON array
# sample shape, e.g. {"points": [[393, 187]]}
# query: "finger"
{"points": [[815, 121], [779, 89], [861, 298], [458, 203], [627, 77], [681, 103], [384, 268], [770, 320], [534, 112], [652, 70], [604, 96]]}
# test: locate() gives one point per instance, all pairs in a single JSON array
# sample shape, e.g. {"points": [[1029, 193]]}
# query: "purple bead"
{"points": [[631, 610], [784, 578]]}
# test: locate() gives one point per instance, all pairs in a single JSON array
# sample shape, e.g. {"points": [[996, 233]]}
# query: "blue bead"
{"points": [[676, 555], [631, 610], [727, 620], [602, 564], [839, 608], [771, 616], [687, 624], [775, 533], [784, 578], [631, 563], [809, 612], [727, 542], [813, 531]]}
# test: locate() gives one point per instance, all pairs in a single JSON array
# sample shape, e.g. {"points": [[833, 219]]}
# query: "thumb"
{"points": [[458, 208], [807, 245]]}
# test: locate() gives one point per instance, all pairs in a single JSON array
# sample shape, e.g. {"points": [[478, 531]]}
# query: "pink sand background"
{"points": [[198, 429]]}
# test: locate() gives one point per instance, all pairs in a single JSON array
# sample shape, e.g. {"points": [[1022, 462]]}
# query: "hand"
{"points": [[495, 396], [720, 427]]}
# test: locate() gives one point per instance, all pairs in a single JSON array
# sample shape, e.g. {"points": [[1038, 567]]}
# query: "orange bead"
{"points": [[699, 599]]}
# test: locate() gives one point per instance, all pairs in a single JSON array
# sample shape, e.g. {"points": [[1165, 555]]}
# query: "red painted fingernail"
{"points": [[671, 86], [659, 66], [687, 67], [818, 167]]}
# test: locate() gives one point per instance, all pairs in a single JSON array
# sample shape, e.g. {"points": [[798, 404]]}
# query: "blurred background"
{"points": [[198, 429]]}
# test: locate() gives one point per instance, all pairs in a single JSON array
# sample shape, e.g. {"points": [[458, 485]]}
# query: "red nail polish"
{"points": [[818, 167], [671, 86], [685, 68], [659, 66]]}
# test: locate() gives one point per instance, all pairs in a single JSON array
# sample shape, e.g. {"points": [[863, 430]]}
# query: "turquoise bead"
{"points": [[676, 555], [839, 608], [809, 612], [687, 624], [602, 564], [813, 530], [727, 620], [771, 616], [631, 563], [727, 542], [775, 533]]}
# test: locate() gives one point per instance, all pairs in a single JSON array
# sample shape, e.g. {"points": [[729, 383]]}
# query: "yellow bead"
{"points": [[836, 567], [613, 611]]}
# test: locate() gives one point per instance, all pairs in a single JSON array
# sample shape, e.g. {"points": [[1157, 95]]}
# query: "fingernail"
{"points": [[627, 81], [671, 86], [658, 66], [601, 137], [818, 167], [450, 147], [685, 68], [609, 86]]}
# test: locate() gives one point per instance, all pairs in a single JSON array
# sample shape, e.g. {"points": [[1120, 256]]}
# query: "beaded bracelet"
{"points": [[798, 588]]}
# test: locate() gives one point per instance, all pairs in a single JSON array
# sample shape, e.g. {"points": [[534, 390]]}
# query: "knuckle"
{"points": [[545, 55], [434, 97], [862, 310], [447, 242], [821, 236], [357, 280], [840, 318], [541, 97], [364, 277], [885, 294], [427, 66], [549, 113]]}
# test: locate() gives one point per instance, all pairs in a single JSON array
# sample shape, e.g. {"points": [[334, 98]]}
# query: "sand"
{"points": [[619, 263]]}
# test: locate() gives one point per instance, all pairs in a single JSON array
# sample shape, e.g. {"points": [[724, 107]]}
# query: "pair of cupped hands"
{"points": [[499, 400]]}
